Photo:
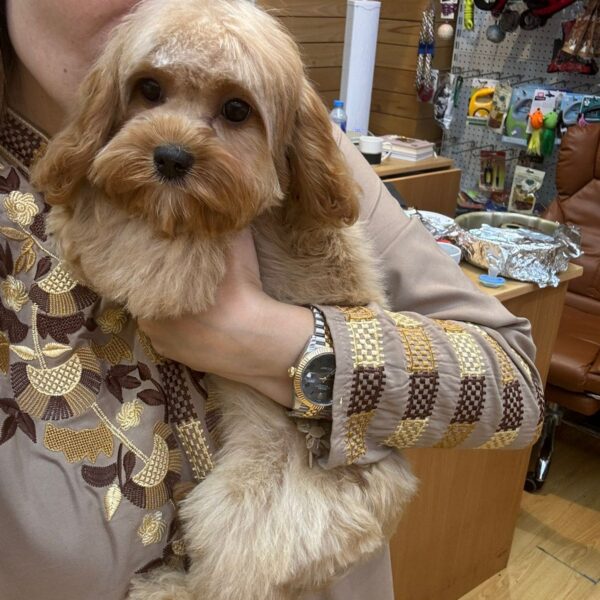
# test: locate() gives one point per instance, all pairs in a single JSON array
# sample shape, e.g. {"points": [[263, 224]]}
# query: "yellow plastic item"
{"points": [[469, 18], [480, 103]]}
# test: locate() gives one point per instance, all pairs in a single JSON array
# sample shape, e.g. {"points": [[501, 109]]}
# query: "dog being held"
{"points": [[197, 122]]}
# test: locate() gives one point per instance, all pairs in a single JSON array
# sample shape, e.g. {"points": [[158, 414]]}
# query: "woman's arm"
{"points": [[447, 366]]}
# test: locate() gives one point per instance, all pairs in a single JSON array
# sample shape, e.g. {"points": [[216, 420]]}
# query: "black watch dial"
{"points": [[317, 379]]}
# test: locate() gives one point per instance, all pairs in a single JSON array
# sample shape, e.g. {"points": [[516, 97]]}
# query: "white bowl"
{"points": [[452, 251]]}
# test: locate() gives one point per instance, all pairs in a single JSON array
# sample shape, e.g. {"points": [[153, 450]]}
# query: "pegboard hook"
{"points": [[460, 71], [479, 148]]}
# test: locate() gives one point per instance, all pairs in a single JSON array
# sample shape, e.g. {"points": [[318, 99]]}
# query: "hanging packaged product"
{"points": [[500, 104], [492, 177], [570, 109], [543, 121], [445, 98], [590, 109], [526, 185], [515, 124], [480, 100], [425, 52]]}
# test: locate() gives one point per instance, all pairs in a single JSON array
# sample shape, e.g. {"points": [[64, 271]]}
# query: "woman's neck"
{"points": [[28, 98]]}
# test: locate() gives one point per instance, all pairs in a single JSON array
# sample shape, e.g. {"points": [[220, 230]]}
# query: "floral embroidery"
{"points": [[59, 392], [130, 414], [21, 208], [112, 320], [152, 529], [59, 347], [14, 293], [79, 445], [16, 419], [59, 295]]}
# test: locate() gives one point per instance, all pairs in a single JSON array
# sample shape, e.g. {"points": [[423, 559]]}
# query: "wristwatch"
{"points": [[314, 374]]}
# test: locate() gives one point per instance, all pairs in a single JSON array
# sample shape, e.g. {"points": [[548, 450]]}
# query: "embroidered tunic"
{"points": [[99, 437]]}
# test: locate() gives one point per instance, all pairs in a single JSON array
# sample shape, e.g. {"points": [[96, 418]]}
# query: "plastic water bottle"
{"points": [[338, 114]]}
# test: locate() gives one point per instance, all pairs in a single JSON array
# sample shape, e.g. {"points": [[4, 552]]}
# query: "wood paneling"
{"points": [[326, 78], [319, 27], [307, 8], [316, 29], [426, 129]]}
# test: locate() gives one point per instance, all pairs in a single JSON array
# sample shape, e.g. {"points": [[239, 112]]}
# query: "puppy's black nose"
{"points": [[172, 161]]}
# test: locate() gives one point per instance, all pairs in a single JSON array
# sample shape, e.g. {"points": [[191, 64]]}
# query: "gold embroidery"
{"points": [[156, 468], [130, 414], [4, 353], [366, 344], [418, 349], [407, 433], [356, 431], [79, 445], [114, 351], [14, 293], [178, 547], [112, 320], [148, 349], [27, 257], [196, 448], [112, 500], [500, 439], [58, 281], [455, 435], [506, 368], [21, 208], [56, 381], [357, 313], [152, 529], [58, 392], [470, 357], [405, 321]]}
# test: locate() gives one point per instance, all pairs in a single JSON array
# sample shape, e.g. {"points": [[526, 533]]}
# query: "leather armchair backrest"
{"points": [[578, 203]]}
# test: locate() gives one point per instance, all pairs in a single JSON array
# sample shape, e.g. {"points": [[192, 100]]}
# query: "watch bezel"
{"points": [[299, 373]]}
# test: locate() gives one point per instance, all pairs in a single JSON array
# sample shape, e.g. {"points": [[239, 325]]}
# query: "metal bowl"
{"points": [[504, 220]]}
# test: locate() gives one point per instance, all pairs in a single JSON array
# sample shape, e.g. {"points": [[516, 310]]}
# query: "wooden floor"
{"points": [[556, 549]]}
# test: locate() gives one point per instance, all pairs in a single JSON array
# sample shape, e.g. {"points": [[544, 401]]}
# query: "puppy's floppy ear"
{"points": [[69, 155], [322, 191]]}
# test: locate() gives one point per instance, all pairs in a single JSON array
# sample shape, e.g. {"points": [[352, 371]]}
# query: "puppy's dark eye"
{"points": [[236, 110], [150, 89]]}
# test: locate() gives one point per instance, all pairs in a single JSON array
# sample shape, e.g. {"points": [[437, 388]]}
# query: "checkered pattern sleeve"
{"points": [[404, 380]]}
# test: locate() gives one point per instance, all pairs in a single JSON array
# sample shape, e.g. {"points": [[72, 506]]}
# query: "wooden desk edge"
{"points": [[395, 167], [513, 288]]}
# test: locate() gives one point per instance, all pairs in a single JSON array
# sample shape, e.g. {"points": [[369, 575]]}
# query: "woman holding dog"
{"points": [[91, 465]]}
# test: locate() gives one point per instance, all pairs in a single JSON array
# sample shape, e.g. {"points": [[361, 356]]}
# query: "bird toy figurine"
{"points": [[536, 120], [549, 133]]}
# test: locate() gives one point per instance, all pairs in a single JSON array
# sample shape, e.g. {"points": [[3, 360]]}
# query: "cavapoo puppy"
{"points": [[196, 122]]}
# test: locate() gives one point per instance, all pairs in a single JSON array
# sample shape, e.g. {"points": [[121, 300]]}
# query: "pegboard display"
{"points": [[523, 55]]}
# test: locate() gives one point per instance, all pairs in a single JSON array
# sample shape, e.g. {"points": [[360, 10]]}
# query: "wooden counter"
{"points": [[430, 184], [458, 531]]}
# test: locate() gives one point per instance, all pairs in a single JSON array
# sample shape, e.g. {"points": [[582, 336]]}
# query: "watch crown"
{"points": [[292, 371]]}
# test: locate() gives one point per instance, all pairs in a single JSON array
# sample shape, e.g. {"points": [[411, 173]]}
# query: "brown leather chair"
{"points": [[574, 377]]}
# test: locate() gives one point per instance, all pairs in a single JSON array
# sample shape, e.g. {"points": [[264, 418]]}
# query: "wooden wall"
{"points": [[319, 27]]}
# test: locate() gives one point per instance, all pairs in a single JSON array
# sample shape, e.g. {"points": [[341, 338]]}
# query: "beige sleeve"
{"points": [[448, 366]]}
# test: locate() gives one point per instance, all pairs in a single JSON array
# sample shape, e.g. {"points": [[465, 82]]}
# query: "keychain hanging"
{"points": [[424, 76]]}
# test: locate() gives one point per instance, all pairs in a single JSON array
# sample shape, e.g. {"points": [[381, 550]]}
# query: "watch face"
{"points": [[317, 378]]}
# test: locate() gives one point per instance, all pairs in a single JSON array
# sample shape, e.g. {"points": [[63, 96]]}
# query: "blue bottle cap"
{"points": [[338, 104], [492, 282]]}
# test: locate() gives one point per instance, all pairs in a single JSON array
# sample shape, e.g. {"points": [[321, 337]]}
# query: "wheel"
{"points": [[532, 484]]}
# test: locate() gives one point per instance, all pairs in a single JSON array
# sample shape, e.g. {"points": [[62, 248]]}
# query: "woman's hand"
{"points": [[247, 336]]}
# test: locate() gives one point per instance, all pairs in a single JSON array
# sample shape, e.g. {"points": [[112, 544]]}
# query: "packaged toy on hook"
{"points": [[526, 184], [480, 100]]}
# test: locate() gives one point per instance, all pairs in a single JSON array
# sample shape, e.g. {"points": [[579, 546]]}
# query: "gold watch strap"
{"points": [[320, 340]]}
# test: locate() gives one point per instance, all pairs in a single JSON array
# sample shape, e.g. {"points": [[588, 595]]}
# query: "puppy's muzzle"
{"points": [[172, 162]]}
